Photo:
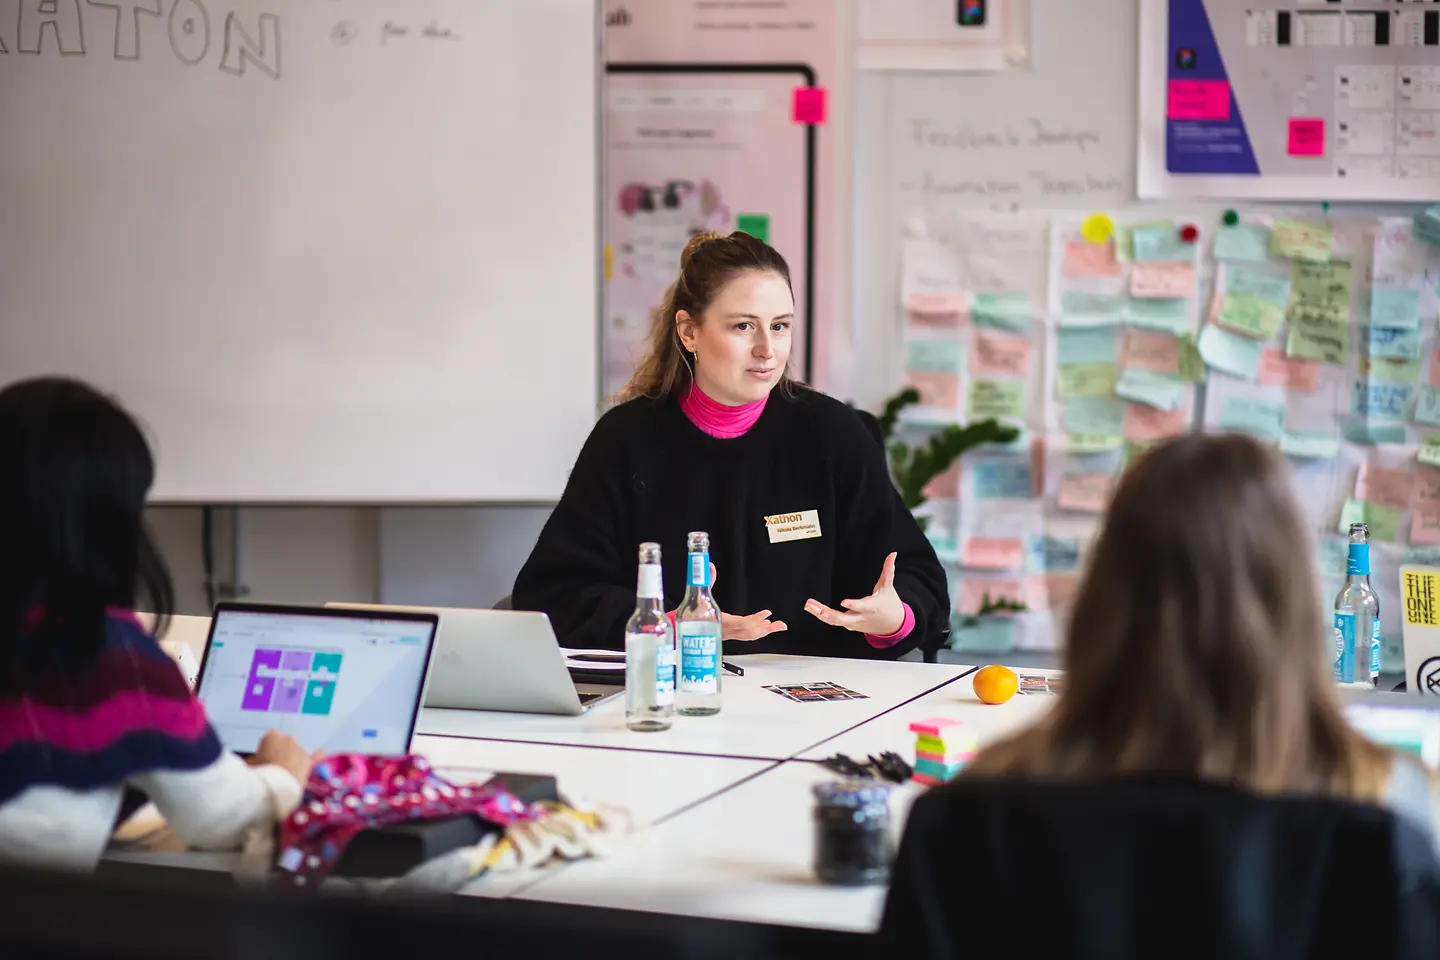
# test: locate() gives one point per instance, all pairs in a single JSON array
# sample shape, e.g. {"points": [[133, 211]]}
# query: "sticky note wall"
{"points": [[1099, 336]]}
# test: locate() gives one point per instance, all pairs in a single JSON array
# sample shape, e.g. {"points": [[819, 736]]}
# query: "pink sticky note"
{"points": [[992, 553], [1307, 137], [1000, 353], [1385, 487], [1062, 588], [1425, 527], [946, 311], [1085, 259], [808, 105], [1427, 489], [1199, 100], [1152, 351], [936, 389], [933, 726], [1278, 370], [973, 591], [1144, 422], [1435, 368], [944, 486], [1085, 492], [1162, 281]]}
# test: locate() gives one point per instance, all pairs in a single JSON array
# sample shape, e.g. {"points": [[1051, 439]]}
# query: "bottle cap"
{"points": [[1359, 528]]}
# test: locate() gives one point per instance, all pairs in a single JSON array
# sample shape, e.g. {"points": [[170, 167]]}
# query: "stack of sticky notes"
{"points": [[942, 747]]}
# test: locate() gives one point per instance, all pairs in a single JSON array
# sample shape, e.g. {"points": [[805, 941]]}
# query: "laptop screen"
{"points": [[336, 682]]}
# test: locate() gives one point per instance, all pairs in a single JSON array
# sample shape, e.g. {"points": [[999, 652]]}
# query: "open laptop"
{"points": [[507, 660], [342, 681]]}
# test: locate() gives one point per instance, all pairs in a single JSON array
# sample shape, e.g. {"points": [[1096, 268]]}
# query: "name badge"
{"points": [[784, 527]]}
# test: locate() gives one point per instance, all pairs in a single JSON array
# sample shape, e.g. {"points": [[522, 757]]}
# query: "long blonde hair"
{"points": [[708, 263], [1198, 644]]}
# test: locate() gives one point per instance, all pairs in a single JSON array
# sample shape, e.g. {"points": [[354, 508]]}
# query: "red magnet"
{"points": [[1189, 233]]}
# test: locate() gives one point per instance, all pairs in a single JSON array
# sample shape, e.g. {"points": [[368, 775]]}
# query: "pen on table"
{"points": [[732, 668]]}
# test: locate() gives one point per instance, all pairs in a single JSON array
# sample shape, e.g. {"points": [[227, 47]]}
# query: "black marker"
{"points": [[732, 668]]}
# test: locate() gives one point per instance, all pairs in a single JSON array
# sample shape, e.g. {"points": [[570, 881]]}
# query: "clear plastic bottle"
{"points": [[649, 651], [698, 622], [1357, 616]]}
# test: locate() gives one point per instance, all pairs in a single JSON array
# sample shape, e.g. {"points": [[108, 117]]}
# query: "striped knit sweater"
{"points": [[131, 713]]}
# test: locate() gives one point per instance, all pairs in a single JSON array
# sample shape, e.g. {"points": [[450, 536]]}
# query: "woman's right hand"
{"points": [[282, 750], [757, 626]]}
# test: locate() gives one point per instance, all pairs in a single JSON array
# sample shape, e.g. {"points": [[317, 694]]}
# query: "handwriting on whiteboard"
{"points": [[127, 30]]}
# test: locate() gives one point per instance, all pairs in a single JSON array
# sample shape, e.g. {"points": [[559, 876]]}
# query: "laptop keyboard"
{"points": [[589, 698]]}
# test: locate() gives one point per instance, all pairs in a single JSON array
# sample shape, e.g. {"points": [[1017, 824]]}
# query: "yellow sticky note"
{"points": [[1250, 315], [1086, 380], [997, 398], [1422, 598], [1092, 443], [609, 262], [1297, 240], [1430, 450]]}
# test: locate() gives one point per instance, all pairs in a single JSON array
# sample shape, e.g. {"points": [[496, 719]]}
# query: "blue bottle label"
{"points": [[1375, 648], [699, 570], [1344, 647], [1358, 560], [699, 657], [665, 675]]}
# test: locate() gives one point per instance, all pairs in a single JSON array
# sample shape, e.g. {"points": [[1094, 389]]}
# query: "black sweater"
{"points": [[648, 473]]}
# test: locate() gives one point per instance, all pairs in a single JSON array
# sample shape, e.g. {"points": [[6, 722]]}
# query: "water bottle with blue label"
{"points": [[1357, 616], [698, 626]]}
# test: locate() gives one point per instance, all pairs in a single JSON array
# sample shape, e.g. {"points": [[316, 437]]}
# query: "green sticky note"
{"points": [[1192, 365], [1150, 388], [1251, 315], [1229, 352], [1390, 369], [1304, 446], [1372, 433], [1002, 311], [1087, 345], [1003, 399], [1427, 406], [1326, 344], [1430, 450], [1260, 418], [1092, 443], [1101, 308], [1298, 240], [1320, 293], [986, 635], [1243, 242], [1395, 308], [936, 356], [1085, 380], [1159, 242], [1258, 284], [1384, 522], [755, 224], [1166, 316], [1104, 416]]}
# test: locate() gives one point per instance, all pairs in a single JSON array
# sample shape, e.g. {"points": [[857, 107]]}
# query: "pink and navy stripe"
{"points": [[130, 713]]}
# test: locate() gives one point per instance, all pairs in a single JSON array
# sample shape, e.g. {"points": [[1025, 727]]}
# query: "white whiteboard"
{"points": [[340, 251]]}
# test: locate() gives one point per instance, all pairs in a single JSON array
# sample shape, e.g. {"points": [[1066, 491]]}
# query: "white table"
{"points": [[753, 722], [743, 855], [956, 701]]}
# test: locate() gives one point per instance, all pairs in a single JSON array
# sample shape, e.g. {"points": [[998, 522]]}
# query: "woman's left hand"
{"points": [[879, 615]]}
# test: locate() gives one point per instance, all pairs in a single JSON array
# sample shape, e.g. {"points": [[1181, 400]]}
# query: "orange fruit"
{"points": [[995, 684]]}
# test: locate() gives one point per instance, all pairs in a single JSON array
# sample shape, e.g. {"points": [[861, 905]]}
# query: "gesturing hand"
{"points": [[880, 614], [754, 627]]}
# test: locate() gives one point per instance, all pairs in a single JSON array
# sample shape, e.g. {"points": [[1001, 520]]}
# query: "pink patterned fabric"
{"points": [[351, 793]]}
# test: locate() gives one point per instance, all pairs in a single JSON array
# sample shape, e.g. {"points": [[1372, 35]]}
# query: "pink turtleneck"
{"points": [[720, 421], [726, 423]]}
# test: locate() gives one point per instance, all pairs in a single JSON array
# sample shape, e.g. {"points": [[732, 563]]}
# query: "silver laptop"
{"points": [[507, 660]]}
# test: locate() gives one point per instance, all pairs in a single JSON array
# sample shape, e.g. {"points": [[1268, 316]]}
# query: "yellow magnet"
{"points": [[1097, 228]]}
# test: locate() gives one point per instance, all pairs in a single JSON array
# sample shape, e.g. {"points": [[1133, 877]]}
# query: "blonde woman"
{"points": [[814, 551], [1198, 645]]}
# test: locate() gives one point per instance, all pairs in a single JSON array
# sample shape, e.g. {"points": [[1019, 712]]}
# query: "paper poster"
{"points": [[722, 80], [1295, 101]]}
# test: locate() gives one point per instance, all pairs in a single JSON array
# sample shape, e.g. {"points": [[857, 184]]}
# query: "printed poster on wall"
{"points": [[1290, 100], [715, 118]]}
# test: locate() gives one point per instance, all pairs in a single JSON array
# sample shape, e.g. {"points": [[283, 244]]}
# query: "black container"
{"points": [[853, 846]]}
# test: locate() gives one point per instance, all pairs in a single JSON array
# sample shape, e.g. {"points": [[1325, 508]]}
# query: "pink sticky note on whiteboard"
{"points": [[992, 553], [1307, 137], [1198, 100], [808, 105]]}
